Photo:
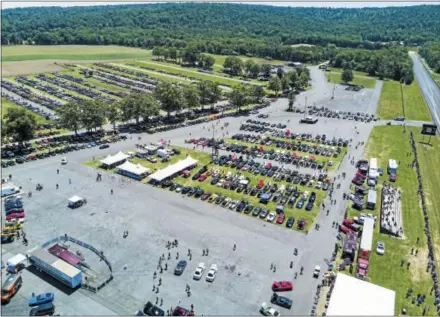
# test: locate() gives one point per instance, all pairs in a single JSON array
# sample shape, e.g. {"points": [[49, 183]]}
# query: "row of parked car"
{"points": [[140, 76], [51, 90], [346, 115]]}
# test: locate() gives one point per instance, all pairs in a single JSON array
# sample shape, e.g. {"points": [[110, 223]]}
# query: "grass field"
{"points": [[390, 104], [386, 270], [70, 52], [220, 60], [204, 159], [355, 72], [335, 77]]}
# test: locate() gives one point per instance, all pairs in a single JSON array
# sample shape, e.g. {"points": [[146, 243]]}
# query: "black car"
{"points": [[309, 206], [312, 197], [241, 206], [248, 208], [196, 176], [104, 146], [180, 267], [43, 310], [186, 190], [290, 221], [192, 191], [199, 192], [256, 211], [281, 301]]}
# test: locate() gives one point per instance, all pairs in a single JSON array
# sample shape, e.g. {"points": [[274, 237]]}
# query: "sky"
{"points": [[334, 4]]}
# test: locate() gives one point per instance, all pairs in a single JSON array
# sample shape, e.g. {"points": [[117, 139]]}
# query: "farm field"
{"points": [[335, 77], [204, 160], [386, 270], [390, 105], [71, 52]]}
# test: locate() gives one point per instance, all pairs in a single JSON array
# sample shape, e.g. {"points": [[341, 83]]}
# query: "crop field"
{"points": [[335, 77], [70, 52], [414, 106], [386, 270]]}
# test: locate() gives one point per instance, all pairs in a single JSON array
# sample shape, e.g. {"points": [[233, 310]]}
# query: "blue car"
{"points": [[180, 267], [41, 299]]}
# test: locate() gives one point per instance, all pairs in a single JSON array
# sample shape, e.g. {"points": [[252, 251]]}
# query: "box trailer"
{"points": [[371, 199], [367, 238], [55, 267]]}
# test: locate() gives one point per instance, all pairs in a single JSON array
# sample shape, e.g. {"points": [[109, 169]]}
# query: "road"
{"points": [[429, 88]]}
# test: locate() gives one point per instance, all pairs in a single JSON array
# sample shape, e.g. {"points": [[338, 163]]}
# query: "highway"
{"points": [[429, 88]]}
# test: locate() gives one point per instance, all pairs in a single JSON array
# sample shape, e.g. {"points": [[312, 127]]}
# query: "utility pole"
{"points": [[305, 107], [334, 88]]}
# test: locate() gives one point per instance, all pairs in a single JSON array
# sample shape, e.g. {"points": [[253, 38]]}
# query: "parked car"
{"points": [[180, 267], [199, 271], [281, 301], [104, 146], [290, 221], [40, 299], [264, 213], [212, 273], [282, 286], [393, 177], [280, 218], [380, 249], [64, 160], [271, 217], [151, 159], [268, 311], [43, 310]]}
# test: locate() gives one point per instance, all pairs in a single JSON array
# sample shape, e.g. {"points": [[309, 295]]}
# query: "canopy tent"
{"points": [[112, 160], [354, 297], [173, 169], [75, 199], [136, 171]]}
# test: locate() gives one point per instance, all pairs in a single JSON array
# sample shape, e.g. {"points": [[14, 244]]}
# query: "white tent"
{"points": [[135, 169], [173, 169], [75, 199], [354, 297], [110, 160], [16, 259]]}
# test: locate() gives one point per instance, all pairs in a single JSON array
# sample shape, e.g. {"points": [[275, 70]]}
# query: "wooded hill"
{"points": [[431, 53], [221, 28]]}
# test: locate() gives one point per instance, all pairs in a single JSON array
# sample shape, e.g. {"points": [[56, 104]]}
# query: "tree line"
{"points": [[221, 28], [431, 53], [393, 63]]}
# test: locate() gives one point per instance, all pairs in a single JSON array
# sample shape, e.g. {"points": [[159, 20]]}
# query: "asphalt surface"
{"points": [[154, 216], [429, 87]]}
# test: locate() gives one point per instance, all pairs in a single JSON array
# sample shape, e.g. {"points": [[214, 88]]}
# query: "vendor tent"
{"points": [[112, 161], [173, 169], [136, 171]]}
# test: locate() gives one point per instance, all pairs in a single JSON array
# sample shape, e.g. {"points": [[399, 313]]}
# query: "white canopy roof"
{"points": [[74, 199], [16, 259], [112, 159], [173, 169], [354, 297], [136, 169]]}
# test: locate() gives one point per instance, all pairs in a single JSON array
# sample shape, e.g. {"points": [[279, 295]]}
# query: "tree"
{"points": [[291, 97], [112, 113], [215, 93], [248, 65], [258, 92], [172, 53], [347, 75], [265, 69], [206, 61], [280, 72], [204, 87], [20, 124], [255, 70], [92, 114], [190, 55], [303, 80], [275, 84], [70, 116], [149, 107], [239, 97], [3, 130], [170, 97], [233, 65], [294, 80], [192, 96], [285, 81]]}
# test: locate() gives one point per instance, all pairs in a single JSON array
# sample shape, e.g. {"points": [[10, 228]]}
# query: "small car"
{"points": [[264, 213], [205, 196], [281, 301], [64, 160], [271, 217], [151, 159], [212, 273], [316, 271], [290, 221], [393, 177], [268, 311], [43, 310], [280, 218], [300, 204], [180, 267], [199, 271], [104, 146], [40, 299], [282, 286], [380, 248]]}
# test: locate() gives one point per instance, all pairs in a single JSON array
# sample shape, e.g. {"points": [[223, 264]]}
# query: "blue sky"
{"points": [[334, 4]]}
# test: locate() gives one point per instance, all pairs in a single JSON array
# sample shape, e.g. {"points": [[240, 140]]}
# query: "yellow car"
{"points": [[212, 198], [14, 224]]}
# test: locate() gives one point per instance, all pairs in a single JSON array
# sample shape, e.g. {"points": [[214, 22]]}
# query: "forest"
{"points": [[261, 31], [431, 53]]}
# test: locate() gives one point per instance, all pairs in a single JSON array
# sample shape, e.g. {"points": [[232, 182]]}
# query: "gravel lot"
{"points": [[153, 216]]}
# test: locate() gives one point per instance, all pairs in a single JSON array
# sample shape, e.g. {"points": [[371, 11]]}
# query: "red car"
{"points": [[360, 175], [15, 213], [345, 229], [282, 286], [180, 311], [202, 177], [205, 196], [280, 218]]}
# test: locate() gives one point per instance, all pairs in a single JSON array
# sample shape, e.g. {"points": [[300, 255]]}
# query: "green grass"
{"points": [[387, 142], [220, 60], [415, 104], [390, 104], [355, 72], [70, 52], [204, 159], [357, 80]]}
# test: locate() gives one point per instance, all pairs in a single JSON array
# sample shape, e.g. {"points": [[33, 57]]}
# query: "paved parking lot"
{"points": [[154, 216]]}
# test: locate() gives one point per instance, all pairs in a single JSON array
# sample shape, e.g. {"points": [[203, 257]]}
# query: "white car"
{"points": [[199, 271], [271, 217], [380, 249], [266, 310], [317, 271], [64, 160], [212, 273]]}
